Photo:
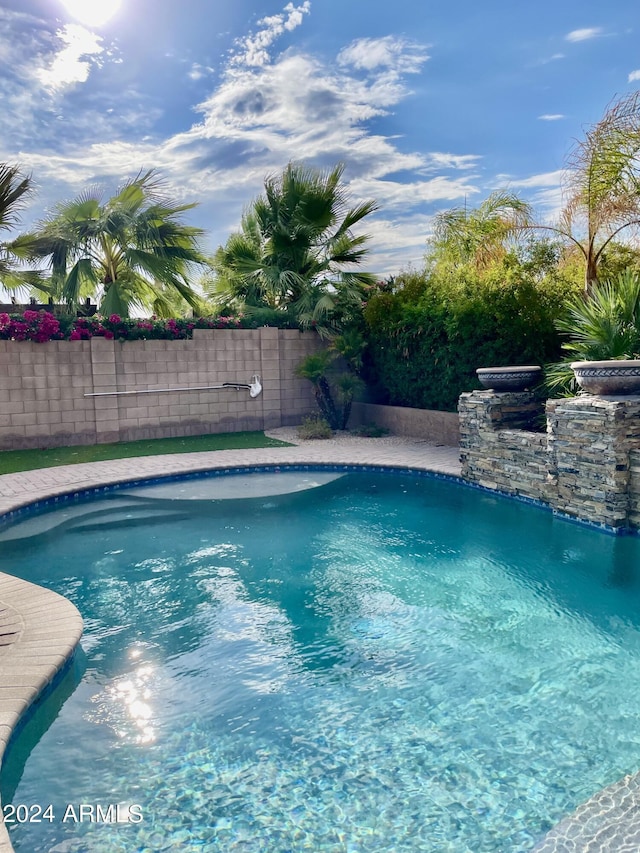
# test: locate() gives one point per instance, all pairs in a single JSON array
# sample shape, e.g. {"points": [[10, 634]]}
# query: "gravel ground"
{"points": [[344, 438]]}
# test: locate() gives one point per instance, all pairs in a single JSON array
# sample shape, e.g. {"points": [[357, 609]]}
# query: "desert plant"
{"points": [[314, 428], [334, 389], [369, 431], [479, 235], [604, 326], [15, 190], [602, 181], [347, 385]]}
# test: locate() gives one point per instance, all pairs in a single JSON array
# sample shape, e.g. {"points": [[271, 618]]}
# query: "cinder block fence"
{"points": [[48, 390]]}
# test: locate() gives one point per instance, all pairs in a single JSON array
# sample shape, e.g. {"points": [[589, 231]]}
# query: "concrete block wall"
{"points": [[41, 393], [586, 465], [436, 427], [43, 387]]}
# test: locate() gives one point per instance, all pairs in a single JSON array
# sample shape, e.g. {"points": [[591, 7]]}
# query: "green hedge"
{"points": [[426, 339]]}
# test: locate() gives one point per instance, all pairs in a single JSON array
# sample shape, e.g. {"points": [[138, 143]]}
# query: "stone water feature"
{"points": [[580, 456]]}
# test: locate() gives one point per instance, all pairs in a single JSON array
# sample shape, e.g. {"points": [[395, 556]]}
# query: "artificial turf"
{"points": [[12, 461]]}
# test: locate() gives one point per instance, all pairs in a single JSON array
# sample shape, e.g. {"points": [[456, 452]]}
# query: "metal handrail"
{"points": [[254, 388]]}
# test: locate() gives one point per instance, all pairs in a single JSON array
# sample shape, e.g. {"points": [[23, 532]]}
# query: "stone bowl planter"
{"points": [[608, 378], [509, 378]]}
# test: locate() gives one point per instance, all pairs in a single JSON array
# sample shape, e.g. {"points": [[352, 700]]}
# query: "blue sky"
{"points": [[426, 103]]}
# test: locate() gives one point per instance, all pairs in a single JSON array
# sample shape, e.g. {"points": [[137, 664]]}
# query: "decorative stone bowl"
{"points": [[509, 378], [608, 378]]}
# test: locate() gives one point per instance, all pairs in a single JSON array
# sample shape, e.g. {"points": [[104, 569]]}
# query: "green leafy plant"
{"points": [[15, 189], [132, 250], [604, 326], [425, 343], [314, 428], [334, 389], [369, 431], [296, 251]]}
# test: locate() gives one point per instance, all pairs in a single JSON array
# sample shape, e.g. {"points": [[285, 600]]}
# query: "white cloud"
{"points": [[441, 160], [198, 72], [634, 75], [263, 111], [392, 194], [253, 49], [551, 117], [70, 65], [546, 195], [545, 179], [584, 34], [397, 54]]}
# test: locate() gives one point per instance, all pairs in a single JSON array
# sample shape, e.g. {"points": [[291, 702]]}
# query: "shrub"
{"points": [[424, 345], [42, 326], [334, 391], [604, 326], [39, 326], [314, 428], [369, 431]]}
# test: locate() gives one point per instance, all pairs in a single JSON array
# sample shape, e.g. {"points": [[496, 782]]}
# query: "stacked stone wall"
{"points": [[591, 439], [586, 465], [634, 489], [496, 452]]}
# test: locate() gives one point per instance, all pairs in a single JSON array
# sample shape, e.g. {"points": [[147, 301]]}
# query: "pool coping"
{"points": [[42, 629]]}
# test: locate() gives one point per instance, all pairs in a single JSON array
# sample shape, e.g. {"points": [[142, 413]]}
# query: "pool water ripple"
{"points": [[389, 664]]}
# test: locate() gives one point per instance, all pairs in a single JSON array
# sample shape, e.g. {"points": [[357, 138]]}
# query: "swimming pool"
{"points": [[380, 662]]}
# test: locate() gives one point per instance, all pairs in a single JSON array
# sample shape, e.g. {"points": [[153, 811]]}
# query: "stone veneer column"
{"points": [[103, 371], [581, 467], [590, 440], [499, 448]]}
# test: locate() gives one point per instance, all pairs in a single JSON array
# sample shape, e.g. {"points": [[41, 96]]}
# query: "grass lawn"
{"points": [[26, 460]]}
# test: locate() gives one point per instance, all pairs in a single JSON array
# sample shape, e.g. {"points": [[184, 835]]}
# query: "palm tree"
{"points": [[603, 185], [604, 182], [479, 236], [15, 189], [132, 250], [605, 325], [296, 249], [602, 199]]}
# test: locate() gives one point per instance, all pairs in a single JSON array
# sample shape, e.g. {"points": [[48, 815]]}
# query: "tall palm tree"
{"points": [[480, 235], [296, 250], [15, 190], [602, 185], [132, 250]]}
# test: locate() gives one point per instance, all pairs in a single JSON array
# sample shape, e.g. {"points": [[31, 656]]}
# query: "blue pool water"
{"points": [[380, 663]]}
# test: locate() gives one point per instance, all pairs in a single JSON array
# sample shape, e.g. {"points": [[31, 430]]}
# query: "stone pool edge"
{"points": [[39, 633]]}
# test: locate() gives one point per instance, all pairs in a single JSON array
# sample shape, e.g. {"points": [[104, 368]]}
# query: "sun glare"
{"points": [[92, 13]]}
